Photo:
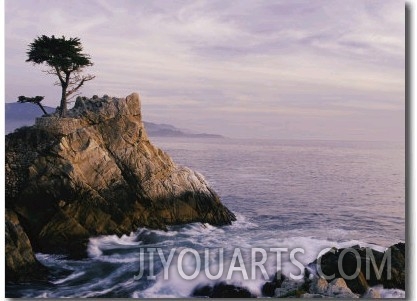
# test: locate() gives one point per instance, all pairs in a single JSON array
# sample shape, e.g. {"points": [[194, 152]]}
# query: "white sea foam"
{"points": [[70, 277], [160, 233], [49, 257], [97, 245], [243, 222], [55, 260], [392, 293], [178, 287]]}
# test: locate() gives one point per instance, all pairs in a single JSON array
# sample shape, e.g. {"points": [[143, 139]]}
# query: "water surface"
{"points": [[288, 194]]}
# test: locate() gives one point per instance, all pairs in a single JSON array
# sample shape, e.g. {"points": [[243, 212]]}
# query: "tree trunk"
{"points": [[63, 106], [43, 110]]}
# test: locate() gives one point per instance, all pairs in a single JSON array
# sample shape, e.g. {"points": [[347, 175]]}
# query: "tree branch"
{"points": [[83, 80], [53, 72]]}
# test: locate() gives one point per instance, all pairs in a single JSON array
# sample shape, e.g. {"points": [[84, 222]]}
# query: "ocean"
{"points": [[304, 195]]}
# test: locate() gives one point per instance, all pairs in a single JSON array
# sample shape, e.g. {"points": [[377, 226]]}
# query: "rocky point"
{"points": [[94, 172]]}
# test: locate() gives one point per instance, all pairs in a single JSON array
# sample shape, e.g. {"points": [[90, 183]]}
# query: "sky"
{"points": [[281, 69]]}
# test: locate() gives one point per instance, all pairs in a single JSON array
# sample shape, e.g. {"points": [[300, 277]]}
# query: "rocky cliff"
{"points": [[95, 172], [21, 264]]}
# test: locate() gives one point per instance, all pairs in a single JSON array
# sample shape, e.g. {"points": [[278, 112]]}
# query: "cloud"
{"points": [[293, 58]]}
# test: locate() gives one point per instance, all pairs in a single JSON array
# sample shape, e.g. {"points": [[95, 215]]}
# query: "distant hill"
{"points": [[167, 130], [24, 114]]}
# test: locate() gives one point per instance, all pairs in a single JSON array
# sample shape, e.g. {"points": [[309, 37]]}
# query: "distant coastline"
{"points": [[167, 130]]}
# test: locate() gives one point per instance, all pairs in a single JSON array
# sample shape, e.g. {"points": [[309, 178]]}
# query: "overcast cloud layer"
{"points": [[331, 69]]}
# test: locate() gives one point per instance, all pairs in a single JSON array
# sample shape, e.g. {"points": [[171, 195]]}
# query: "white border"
{"points": [[411, 224], [411, 284], [2, 156]]}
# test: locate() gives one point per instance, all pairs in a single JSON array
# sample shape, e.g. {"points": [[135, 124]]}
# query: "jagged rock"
{"points": [[401, 247], [290, 288], [95, 172], [367, 275], [268, 289], [222, 290], [339, 289], [314, 288], [21, 264], [397, 268]]}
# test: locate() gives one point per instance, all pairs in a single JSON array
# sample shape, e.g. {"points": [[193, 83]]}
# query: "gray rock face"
{"points": [[320, 288], [97, 173], [289, 288], [339, 289]]}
